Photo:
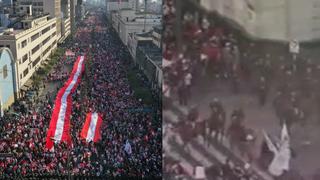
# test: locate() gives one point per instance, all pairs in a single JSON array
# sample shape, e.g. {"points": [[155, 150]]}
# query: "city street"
{"points": [[103, 88]]}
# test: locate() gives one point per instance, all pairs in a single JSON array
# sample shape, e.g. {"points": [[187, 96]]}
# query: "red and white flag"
{"points": [[59, 128], [91, 128]]}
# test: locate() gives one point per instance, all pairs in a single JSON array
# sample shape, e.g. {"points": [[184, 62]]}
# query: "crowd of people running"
{"points": [[104, 88]]}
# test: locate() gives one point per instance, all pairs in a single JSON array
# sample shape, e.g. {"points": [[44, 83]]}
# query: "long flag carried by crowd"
{"points": [[59, 128], [91, 128]]}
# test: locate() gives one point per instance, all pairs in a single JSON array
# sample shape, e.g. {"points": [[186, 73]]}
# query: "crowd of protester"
{"points": [[104, 88]]}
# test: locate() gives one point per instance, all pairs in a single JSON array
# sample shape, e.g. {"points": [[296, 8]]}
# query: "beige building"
{"points": [[53, 7], [30, 45], [128, 21], [272, 19]]}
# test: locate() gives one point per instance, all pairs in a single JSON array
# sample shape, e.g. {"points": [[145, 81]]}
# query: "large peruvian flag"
{"points": [[59, 128], [91, 128]]}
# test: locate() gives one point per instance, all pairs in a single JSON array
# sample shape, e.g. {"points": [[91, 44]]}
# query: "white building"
{"points": [[145, 49], [272, 19], [30, 45], [128, 21]]}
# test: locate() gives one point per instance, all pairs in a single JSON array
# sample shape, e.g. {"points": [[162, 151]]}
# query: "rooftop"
{"points": [[158, 29]]}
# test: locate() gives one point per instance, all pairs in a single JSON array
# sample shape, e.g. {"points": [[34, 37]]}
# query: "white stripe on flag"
{"points": [[63, 108], [92, 127]]}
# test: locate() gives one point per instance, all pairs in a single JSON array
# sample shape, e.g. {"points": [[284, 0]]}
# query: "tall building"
{"points": [[65, 19], [53, 7], [272, 19], [128, 21], [30, 45]]}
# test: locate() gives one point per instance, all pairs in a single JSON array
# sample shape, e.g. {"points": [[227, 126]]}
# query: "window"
{"points": [[24, 44], [34, 63], [25, 72], [24, 58], [34, 50], [45, 30], [46, 51], [54, 34], [54, 42], [20, 76], [5, 71], [53, 25], [34, 37], [45, 41]]}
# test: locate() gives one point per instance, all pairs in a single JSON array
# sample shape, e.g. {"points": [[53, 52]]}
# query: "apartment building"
{"points": [[145, 48], [30, 45], [53, 7], [128, 21]]}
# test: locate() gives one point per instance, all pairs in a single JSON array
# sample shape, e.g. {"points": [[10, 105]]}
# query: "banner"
{"points": [[59, 128], [91, 128]]}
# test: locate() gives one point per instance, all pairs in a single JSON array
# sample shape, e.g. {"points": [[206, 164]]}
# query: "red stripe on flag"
{"points": [[58, 107], [86, 125]]}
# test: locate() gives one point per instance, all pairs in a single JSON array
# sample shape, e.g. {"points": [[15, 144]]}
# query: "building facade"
{"points": [[146, 52], [66, 19], [282, 20], [30, 45], [128, 21], [116, 5], [53, 7], [7, 78]]}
